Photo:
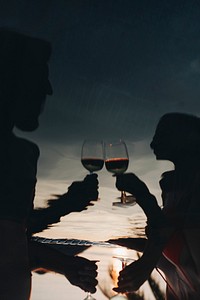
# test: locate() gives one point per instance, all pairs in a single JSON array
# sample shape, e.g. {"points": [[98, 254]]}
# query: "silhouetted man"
{"points": [[24, 85]]}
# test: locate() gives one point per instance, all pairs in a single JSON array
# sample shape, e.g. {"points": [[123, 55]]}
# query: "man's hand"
{"points": [[78, 270], [83, 192], [78, 198], [82, 273]]}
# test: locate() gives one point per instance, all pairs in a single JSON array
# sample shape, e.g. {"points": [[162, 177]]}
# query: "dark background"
{"points": [[117, 66]]}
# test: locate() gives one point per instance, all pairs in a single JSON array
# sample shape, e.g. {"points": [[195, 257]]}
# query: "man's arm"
{"points": [[78, 198], [79, 271]]}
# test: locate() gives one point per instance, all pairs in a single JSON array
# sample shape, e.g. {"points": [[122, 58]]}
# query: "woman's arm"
{"points": [[159, 231]]}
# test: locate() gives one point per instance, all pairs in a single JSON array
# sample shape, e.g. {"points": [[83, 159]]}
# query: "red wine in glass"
{"points": [[92, 164], [117, 165], [92, 155], [116, 162]]}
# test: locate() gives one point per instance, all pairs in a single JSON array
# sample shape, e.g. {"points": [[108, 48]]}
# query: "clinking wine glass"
{"points": [[92, 158], [116, 162], [92, 155]]}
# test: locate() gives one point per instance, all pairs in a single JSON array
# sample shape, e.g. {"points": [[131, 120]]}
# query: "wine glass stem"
{"points": [[89, 296], [124, 263], [123, 197]]}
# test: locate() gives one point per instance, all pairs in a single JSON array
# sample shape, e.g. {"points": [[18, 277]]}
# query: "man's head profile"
{"points": [[24, 81]]}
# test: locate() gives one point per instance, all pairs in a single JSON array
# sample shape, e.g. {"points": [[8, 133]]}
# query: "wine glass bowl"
{"points": [[92, 155], [116, 162], [117, 165], [117, 159]]}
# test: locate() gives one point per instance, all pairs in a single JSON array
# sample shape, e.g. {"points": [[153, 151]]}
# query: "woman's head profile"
{"points": [[177, 135]]}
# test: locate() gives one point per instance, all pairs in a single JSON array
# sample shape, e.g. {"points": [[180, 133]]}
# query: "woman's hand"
{"points": [[130, 183], [133, 276], [82, 273]]}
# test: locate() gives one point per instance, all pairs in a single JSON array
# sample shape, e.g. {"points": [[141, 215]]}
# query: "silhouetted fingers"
{"points": [[90, 267], [128, 284], [91, 180], [129, 182], [88, 279], [88, 287], [88, 273], [91, 185]]}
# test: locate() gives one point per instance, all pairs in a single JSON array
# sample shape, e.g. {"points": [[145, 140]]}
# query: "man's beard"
{"points": [[27, 125]]}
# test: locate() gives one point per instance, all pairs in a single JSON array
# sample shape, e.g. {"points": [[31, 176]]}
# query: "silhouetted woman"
{"points": [[173, 242]]}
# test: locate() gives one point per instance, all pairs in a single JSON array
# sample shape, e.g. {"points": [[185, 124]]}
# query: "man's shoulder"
{"points": [[24, 146]]}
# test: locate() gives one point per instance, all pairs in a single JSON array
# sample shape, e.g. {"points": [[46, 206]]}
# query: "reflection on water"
{"points": [[89, 229], [100, 222]]}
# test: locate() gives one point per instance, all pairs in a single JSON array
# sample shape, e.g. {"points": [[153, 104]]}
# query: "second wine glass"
{"points": [[116, 162]]}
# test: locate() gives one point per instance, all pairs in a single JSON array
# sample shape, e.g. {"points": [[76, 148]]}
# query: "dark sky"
{"points": [[117, 65]]}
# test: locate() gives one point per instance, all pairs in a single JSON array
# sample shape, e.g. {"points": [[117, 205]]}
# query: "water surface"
{"points": [[96, 224]]}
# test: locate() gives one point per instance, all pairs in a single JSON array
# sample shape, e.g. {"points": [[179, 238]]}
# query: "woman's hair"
{"points": [[187, 129], [189, 121]]}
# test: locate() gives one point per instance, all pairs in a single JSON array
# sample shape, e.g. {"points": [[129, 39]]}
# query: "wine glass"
{"points": [[124, 260], [92, 155], [116, 162]]}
